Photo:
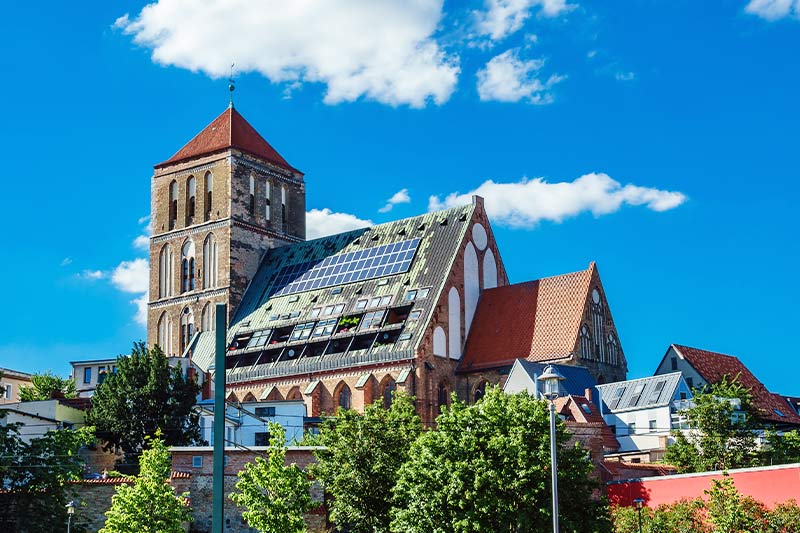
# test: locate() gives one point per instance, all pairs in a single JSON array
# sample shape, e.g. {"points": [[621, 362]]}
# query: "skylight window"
{"points": [[637, 395], [656, 394], [314, 312], [617, 397], [415, 314], [586, 409], [259, 338], [372, 320], [417, 294], [411, 295], [302, 331], [324, 328], [361, 304], [779, 413]]}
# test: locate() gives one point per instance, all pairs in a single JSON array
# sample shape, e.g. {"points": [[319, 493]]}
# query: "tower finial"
{"points": [[231, 86]]}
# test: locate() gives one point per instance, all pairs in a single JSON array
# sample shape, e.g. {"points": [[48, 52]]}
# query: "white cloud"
{"points": [[141, 309], [591, 53], [132, 276], [142, 242], [624, 76], [501, 18], [92, 274], [385, 51], [323, 222], [144, 219], [525, 203], [400, 197], [508, 78], [774, 9], [66, 261]]}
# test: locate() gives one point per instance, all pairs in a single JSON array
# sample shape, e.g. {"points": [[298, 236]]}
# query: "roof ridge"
{"points": [[640, 379], [704, 350]]}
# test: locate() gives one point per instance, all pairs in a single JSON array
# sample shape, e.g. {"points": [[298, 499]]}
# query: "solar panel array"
{"points": [[359, 265]]}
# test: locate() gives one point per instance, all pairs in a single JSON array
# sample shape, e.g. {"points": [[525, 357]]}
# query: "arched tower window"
{"points": [[187, 327], [187, 266], [173, 204], [344, 400], [207, 317], [443, 397], [209, 179], [252, 194], [598, 322], [612, 349], [480, 392], [191, 192], [267, 200], [284, 209], [165, 276], [389, 389], [210, 267], [165, 333], [586, 343]]}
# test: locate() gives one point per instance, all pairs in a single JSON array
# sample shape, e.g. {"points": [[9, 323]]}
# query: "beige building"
{"points": [[10, 383]]}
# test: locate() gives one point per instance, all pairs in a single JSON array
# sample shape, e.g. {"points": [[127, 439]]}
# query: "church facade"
{"points": [[422, 304]]}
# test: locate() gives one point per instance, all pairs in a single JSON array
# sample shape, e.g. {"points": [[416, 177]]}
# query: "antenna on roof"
{"points": [[231, 86]]}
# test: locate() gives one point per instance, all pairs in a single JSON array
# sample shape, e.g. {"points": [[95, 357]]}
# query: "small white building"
{"points": [[247, 424], [39, 417], [88, 374], [643, 412]]}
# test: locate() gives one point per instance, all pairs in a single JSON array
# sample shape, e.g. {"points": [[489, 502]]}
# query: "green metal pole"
{"points": [[218, 488]]}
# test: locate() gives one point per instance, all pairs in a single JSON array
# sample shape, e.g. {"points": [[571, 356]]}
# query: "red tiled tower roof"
{"points": [[713, 366], [229, 130], [535, 320]]}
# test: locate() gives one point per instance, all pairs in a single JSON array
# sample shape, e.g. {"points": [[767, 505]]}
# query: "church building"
{"points": [[422, 304]]}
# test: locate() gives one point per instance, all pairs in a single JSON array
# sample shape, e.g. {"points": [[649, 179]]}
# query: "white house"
{"points": [[643, 412], [88, 374], [246, 424], [37, 418]]}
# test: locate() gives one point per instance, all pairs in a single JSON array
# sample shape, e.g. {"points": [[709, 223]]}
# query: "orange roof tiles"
{"points": [[535, 320], [571, 407], [713, 366], [229, 130]]}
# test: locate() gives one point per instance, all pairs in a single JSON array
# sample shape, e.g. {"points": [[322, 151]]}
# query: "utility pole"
{"points": [[218, 488]]}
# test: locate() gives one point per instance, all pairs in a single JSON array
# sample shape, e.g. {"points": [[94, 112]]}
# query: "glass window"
{"points": [[411, 295], [101, 374], [302, 331], [372, 320], [314, 312], [652, 425], [344, 397], [265, 411], [631, 428], [8, 391], [361, 304], [386, 300], [324, 328], [690, 382], [415, 314], [637, 395], [423, 293], [338, 308], [327, 310], [674, 363], [375, 302], [259, 338], [87, 375], [261, 438], [197, 461]]}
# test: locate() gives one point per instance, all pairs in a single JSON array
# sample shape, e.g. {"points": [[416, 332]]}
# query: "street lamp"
{"points": [[70, 511], [550, 379], [639, 502]]}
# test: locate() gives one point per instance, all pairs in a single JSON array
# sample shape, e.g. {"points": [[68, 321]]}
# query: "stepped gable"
{"points": [[713, 366], [230, 130]]}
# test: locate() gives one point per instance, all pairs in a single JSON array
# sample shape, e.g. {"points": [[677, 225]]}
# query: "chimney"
{"points": [[587, 393]]}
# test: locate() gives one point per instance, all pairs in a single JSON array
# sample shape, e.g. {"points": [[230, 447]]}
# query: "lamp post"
{"points": [[639, 502], [550, 379], [70, 511]]}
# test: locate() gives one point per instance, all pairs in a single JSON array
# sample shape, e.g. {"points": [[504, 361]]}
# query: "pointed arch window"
{"points": [[187, 327], [267, 200], [252, 194], [345, 397], [165, 275], [598, 324], [480, 392], [586, 343], [165, 333], [173, 204], [210, 263], [209, 182], [191, 193], [388, 392], [612, 349], [443, 396], [207, 317], [187, 266], [284, 209]]}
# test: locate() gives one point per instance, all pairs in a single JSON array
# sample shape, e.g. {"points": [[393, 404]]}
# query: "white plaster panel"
{"points": [[439, 342], [454, 322], [489, 270], [472, 287], [479, 236]]}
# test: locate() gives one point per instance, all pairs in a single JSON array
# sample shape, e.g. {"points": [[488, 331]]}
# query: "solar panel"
{"points": [[359, 265]]}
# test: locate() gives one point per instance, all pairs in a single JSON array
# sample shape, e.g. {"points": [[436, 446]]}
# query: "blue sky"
{"points": [[658, 138]]}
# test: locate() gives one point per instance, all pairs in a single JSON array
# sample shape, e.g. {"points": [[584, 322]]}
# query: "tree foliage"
{"points": [[35, 476], [44, 385], [486, 468], [149, 505], [719, 439], [684, 516], [274, 496], [360, 461], [143, 397], [782, 448]]}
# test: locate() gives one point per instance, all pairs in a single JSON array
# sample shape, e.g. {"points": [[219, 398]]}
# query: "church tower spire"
{"points": [[217, 205]]}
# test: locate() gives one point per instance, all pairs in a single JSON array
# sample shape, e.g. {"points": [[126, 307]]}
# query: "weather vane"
{"points": [[231, 85]]}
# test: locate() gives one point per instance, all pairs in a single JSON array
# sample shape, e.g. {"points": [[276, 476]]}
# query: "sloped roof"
{"points": [[713, 367], [577, 378], [615, 468], [579, 410], [640, 393], [535, 320], [265, 306], [229, 130]]}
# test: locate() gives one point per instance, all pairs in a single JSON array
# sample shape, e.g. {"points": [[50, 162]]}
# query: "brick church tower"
{"points": [[217, 205]]}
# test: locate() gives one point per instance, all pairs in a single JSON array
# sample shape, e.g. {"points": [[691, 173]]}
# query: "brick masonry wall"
{"points": [[200, 487], [92, 500]]}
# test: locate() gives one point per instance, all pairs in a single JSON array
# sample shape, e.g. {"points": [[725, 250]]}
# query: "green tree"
{"points": [[684, 516], [144, 396], [730, 512], [719, 437], [360, 460], [782, 448], [149, 505], [44, 385], [274, 496], [486, 468], [35, 476], [784, 518]]}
